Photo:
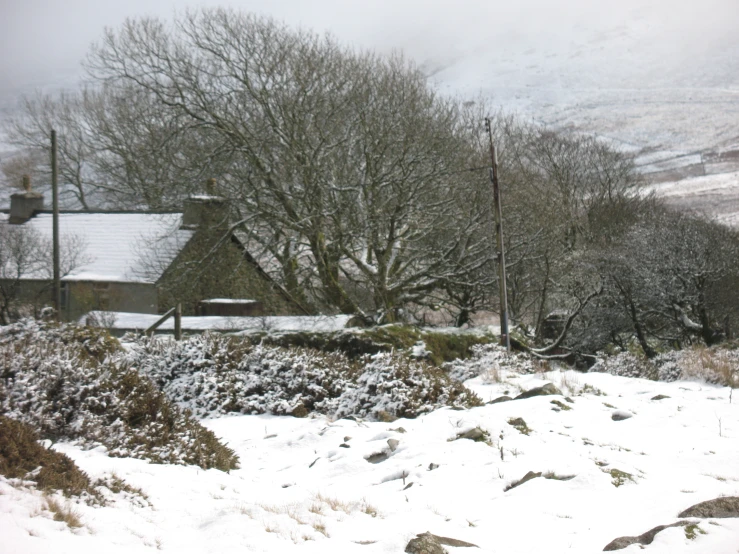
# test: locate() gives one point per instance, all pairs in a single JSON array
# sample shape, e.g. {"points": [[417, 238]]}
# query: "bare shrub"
{"points": [[83, 393], [22, 457], [491, 376], [714, 365]]}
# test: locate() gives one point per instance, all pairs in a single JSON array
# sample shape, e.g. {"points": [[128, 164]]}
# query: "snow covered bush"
{"points": [[491, 358], [669, 366], [211, 374], [711, 365], [437, 347], [61, 388], [393, 384], [626, 364], [95, 343]]}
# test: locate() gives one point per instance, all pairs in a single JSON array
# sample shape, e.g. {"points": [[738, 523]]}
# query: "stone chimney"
{"points": [[23, 205], [207, 210]]}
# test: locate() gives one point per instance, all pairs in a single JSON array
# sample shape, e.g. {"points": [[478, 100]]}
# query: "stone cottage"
{"points": [[142, 262]]}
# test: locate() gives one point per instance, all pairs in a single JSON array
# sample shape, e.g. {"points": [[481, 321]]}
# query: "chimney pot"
{"points": [[24, 205], [206, 211]]}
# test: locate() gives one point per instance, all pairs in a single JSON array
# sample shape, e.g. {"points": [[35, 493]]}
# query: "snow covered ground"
{"points": [[716, 196], [126, 321], [305, 485]]}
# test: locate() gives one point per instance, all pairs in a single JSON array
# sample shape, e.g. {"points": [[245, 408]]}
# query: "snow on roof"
{"points": [[205, 197], [227, 301], [118, 247]]}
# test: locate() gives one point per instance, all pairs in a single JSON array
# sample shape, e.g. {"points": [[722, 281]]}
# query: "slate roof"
{"points": [[117, 247]]}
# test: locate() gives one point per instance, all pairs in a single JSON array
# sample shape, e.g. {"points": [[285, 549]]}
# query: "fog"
{"points": [[645, 74], [44, 41]]}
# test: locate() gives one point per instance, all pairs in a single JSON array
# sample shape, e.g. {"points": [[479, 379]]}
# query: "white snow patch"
{"points": [[299, 491]]}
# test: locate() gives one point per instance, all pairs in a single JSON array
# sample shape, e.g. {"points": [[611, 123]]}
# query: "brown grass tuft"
{"points": [[712, 364], [63, 513]]}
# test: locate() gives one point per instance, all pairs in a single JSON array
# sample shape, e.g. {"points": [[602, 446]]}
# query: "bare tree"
{"points": [[557, 188], [30, 130], [26, 268], [669, 279], [117, 147], [141, 154], [21, 254], [346, 166], [17, 166]]}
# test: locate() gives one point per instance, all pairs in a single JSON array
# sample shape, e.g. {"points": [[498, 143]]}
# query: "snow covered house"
{"points": [[124, 261]]}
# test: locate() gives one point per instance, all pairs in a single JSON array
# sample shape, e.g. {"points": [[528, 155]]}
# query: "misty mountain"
{"points": [[658, 79]]}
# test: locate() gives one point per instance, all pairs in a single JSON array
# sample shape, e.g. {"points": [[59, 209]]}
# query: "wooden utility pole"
{"points": [[178, 322], [505, 339], [55, 223]]}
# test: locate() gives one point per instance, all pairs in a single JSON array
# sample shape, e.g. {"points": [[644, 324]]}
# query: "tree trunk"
{"points": [[639, 330]]}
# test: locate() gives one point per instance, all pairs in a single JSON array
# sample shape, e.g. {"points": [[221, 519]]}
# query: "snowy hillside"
{"points": [[657, 79], [322, 485], [715, 195], [655, 75]]}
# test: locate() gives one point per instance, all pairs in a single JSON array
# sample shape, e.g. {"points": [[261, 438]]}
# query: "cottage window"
{"points": [[101, 293]]}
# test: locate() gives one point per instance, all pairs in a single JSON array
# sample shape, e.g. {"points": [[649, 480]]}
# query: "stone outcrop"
{"points": [[725, 506], [644, 538], [545, 390], [428, 543]]}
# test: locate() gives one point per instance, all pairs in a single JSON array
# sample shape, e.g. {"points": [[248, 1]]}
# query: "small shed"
{"points": [[230, 307]]}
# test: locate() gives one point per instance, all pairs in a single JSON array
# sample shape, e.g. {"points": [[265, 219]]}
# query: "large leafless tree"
{"points": [[345, 167], [26, 268]]}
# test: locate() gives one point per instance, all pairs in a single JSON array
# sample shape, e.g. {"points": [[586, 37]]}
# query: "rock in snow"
{"points": [[620, 415], [726, 506], [500, 399], [645, 538], [545, 390], [427, 543], [528, 477]]}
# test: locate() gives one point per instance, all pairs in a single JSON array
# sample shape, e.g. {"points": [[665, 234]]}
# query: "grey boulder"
{"points": [[644, 538], [545, 390], [725, 506]]}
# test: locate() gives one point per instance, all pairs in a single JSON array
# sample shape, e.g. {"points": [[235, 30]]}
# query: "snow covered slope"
{"points": [[655, 78], [652, 75], [306, 485], [713, 195]]}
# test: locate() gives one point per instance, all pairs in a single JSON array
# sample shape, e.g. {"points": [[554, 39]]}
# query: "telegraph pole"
{"points": [[55, 232], [505, 339]]}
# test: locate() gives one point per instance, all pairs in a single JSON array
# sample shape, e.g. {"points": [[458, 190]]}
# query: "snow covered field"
{"points": [[306, 485], [714, 195]]}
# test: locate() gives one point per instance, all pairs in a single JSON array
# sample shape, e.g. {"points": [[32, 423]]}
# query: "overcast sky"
{"points": [[41, 38]]}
